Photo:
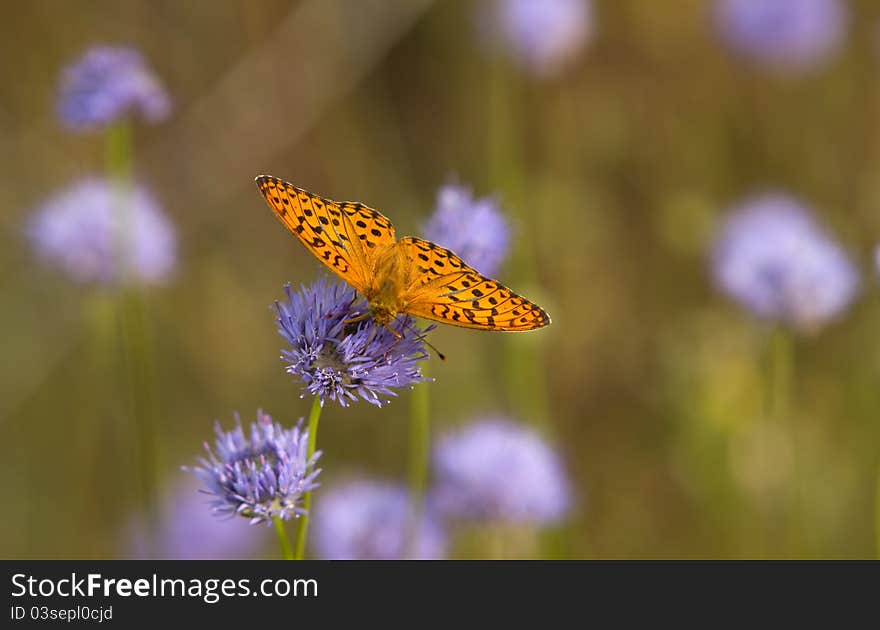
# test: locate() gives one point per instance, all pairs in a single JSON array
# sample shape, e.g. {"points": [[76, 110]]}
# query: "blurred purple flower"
{"points": [[475, 229], [498, 470], [340, 361], [541, 35], [99, 233], [369, 520], [187, 530], [107, 83], [792, 36], [260, 476], [778, 263]]}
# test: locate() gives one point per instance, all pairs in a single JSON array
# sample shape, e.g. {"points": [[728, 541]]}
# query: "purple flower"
{"points": [[106, 84], [779, 264], [792, 36], [99, 233], [498, 470], [187, 530], [341, 361], [370, 520], [475, 229], [542, 35], [260, 476]]}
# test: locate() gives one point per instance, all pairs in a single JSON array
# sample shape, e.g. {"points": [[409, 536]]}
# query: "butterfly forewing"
{"points": [[443, 288], [320, 225], [371, 227]]}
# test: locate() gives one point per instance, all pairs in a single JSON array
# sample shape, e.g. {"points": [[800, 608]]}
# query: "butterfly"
{"points": [[410, 275]]}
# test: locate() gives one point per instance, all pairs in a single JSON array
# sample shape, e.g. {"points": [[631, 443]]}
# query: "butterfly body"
{"points": [[410, 275], [386, 290]]}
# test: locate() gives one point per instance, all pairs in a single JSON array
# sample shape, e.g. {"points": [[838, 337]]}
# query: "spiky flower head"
{"points": [[370, 520], [498, 470], [107, 83], [341, 361], [542, 36], [261, 474], [475, 229], [789, 36], [99, 233], [774, 259], [186, 529]]}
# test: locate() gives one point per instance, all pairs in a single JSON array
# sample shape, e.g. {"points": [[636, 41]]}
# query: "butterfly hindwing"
{"points": [[443, 288]]}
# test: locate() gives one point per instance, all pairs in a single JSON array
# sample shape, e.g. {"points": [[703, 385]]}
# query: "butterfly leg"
{"points": [[395, 342], [347, 309], [359, 318], [349, 326], [394, 332]]}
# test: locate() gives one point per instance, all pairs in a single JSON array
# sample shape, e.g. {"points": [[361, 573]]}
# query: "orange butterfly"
{"points": [[411, 275]]}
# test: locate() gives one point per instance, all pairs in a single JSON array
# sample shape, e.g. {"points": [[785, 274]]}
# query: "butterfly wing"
{"points": [[371, 228], [343, 236], [443, 288]]}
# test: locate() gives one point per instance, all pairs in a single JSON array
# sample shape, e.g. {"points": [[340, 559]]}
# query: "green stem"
{"points": [[118, 150], [522, 375], [119, 159], [781, 376], [877, 515], [314, 416], [133, 322], [286, 549], [138, 359], [419, 448], [781, 368]]}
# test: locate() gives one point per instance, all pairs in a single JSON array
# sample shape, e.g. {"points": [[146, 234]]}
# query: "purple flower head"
{"points": [[475, 229], [340, 361], [260, 476], [189, 531], [99, 233], [500, 471], [106, 84], [793, 36], [778, 263], [370, 520], [542, 35]]}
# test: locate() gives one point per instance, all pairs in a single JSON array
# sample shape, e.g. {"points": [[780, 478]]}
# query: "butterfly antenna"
{"points": [[424, 338], [439, 354]]}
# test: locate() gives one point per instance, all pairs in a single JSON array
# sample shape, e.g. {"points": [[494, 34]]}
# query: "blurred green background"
{"points": [[614, 172]]}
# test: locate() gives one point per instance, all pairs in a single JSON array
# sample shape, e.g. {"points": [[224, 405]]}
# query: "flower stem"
{"points": [[522, 374], [877, 515], [302, 534], [119, 161], [137, 355], [781, 371], [419, 447], [133, 322], [118, 151], [286, 549], [781, 368]]}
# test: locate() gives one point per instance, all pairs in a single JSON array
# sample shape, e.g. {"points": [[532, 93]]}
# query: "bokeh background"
{"points": [[614, 162]]}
